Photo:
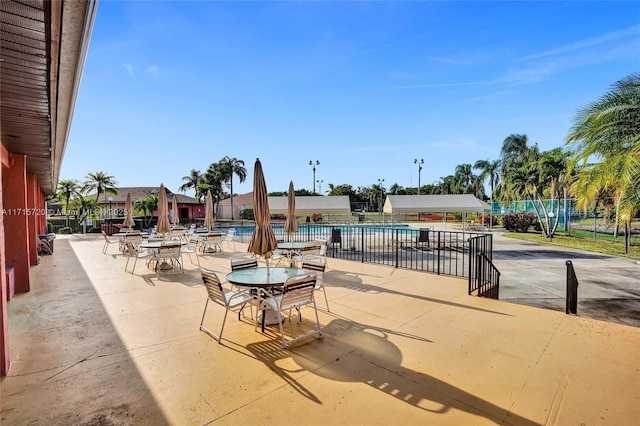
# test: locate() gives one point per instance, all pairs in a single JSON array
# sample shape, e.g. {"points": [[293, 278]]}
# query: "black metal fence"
{"points": [[440, 252], [485, 280]]}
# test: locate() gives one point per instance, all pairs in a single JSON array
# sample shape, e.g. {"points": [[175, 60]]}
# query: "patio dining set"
{"points": [[288, 282], [163, 252]]}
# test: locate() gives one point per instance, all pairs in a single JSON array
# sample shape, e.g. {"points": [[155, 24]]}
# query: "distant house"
{"points": [[113, 205], [241, 201]]}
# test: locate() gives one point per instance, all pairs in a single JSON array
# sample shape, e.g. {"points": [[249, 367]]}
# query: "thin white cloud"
{"points": [[589, 42], [153, 70], [129, 68]]}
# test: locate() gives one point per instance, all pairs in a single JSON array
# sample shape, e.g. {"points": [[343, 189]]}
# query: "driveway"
{"points": [[535, 275]]}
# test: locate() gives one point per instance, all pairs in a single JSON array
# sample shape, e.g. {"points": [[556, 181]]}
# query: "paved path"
{"points": [[535, 275]]}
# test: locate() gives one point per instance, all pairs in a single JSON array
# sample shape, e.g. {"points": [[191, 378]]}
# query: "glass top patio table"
{"points": [[155, 244], [291, 245], [259, 277]]}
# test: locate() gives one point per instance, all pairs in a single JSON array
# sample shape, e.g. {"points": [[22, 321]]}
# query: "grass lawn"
{"points": [[581, 243]]}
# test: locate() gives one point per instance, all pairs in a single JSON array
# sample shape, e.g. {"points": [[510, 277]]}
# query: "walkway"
{"points": [[91, 344]]}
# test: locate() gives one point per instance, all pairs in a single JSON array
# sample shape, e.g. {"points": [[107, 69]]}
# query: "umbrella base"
{"points": [[270, 317]]}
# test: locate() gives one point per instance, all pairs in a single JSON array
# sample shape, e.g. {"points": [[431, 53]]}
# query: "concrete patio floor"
{"points": [[93, 345]]}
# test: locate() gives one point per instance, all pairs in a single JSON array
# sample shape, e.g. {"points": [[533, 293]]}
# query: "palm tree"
{"points": [[463, 179], [147, 205], [491, 170], [66, 190], [232, 166], [191, 181], [101, 183], [609, 129], [213, 180], [513, 149]]}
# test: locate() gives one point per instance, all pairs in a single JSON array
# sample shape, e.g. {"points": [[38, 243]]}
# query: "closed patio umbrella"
{"points": [[175, 217], [291, 225], [263, 241], [208, 211], [163, 220], [128, 207]]}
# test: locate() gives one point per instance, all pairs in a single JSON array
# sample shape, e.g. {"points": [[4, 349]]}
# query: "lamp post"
{"points": [[311, 163], [419, 163], [319, 181], [380, 184], [110, 200], [550, 216]]}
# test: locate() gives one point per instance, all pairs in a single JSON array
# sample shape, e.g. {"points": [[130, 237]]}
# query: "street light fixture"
{"points": [[380, 184], [419, 163], [319, 181], [110, 200], [311, 163]]}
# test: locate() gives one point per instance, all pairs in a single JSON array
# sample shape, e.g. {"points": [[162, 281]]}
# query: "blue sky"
{"points": [[362, 87]]}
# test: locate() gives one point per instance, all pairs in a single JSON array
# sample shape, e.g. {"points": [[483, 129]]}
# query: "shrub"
{"points": [[488, 217], [247, 214], [65, 230], [518, 222]]}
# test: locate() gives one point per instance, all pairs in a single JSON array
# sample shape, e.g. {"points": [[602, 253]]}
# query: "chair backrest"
{"points": [[243, 261], [213, 286], [129, 249], [168, 250], [314, 262], [311, 247], [424, 235], [298, 290], [133, 236], [230, 234]]}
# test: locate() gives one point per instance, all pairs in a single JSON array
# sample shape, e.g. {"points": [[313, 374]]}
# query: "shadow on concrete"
{"points": [[353, 282], [365, 354], [65, 349]]}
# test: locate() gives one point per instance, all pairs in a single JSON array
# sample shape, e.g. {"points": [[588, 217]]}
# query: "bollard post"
{"points": [[572, 290]]}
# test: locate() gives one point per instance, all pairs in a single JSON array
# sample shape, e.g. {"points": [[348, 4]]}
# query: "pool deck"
{"points": [[93, 345]]}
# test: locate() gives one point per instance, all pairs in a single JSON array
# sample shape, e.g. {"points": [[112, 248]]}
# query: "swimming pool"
{"points": [[313, 229]]}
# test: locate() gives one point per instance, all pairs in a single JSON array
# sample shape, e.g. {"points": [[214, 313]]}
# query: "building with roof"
{"points": [[42, 54]]}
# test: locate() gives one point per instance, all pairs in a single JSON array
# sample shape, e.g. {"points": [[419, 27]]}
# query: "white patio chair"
{"points": [[108, 241], [169, 253], [297, 292], [133, 238], [230, 238], [230, 300], [192, 248], [317, 264], [133, 252], [212, 243], [243, 261]]}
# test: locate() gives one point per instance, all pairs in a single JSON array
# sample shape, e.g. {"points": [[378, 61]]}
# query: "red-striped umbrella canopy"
{"points": [[128, 207], [291, 225], [208, 211], [175, 217], [263, 241], [163, 209]]}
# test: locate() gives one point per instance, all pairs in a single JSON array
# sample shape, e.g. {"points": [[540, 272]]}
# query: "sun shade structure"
{"points": [[175, 217], [306, 205], [291, 225], [433, 203], [263, 241], [208, 211], [163, 220], [128, 207]]}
